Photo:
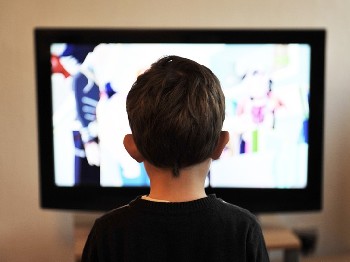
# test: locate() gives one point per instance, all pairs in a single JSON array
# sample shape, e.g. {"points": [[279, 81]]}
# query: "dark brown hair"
{"points": [[176, 110]]}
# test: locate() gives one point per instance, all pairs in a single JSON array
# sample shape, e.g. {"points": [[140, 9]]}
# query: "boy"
{"points": [[176, 110]]}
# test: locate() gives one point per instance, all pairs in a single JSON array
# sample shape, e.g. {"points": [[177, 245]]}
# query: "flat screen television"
{"points": [[273, 82]]}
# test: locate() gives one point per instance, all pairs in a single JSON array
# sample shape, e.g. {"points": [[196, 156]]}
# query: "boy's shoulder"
{"points": [[234, 209], [114, 216], [237, 215], [211, 206]]}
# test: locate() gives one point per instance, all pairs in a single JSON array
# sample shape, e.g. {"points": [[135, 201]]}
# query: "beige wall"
{"points": [[28, 233]]}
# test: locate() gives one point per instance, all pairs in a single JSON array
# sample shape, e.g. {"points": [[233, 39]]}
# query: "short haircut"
{"points": [[176, 110]]}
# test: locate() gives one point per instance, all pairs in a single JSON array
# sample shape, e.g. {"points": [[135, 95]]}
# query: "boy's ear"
{"points": [[131, 147], [223, 140]]}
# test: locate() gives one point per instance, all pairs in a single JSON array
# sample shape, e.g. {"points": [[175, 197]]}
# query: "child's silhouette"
{"points": [[176, 110]]}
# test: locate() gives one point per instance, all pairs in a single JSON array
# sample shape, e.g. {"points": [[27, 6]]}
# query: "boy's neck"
{"points": [[188, 186]]}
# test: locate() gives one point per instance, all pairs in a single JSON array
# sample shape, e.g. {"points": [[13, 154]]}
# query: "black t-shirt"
{"points": [[207, 229]]}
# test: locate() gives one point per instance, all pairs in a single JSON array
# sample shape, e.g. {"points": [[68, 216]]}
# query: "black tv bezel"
{"points": [[104, 198]]}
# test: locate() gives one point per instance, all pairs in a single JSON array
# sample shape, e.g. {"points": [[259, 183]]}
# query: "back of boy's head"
{"points": [[176, 110]]}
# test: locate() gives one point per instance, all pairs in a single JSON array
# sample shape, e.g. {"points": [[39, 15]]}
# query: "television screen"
{"points": [[273, 84]]}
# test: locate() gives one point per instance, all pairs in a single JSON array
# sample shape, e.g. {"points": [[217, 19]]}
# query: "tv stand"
{"points": [[283, 239], [276, 239]]}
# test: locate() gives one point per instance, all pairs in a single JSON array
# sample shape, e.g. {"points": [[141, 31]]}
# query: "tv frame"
{"points": [[105, 198]]}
